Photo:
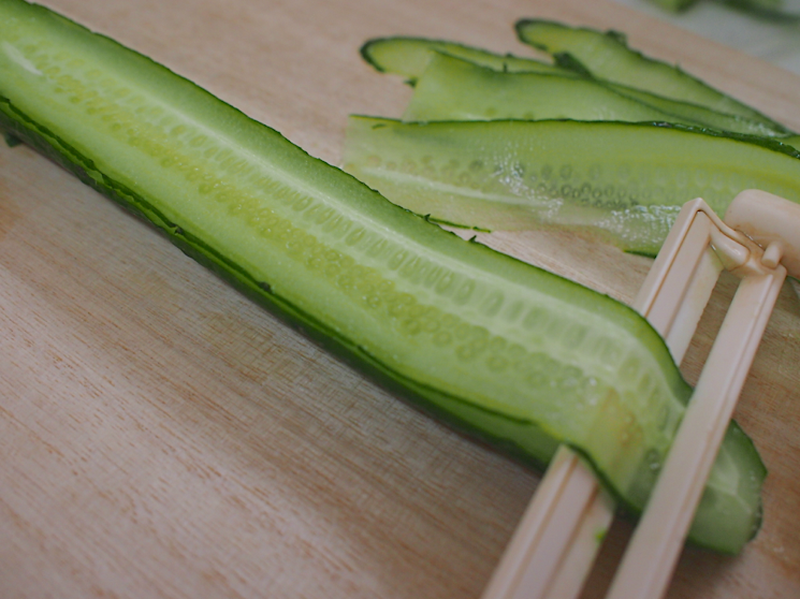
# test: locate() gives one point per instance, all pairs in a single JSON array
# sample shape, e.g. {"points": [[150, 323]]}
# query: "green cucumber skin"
{"points": [[498, 419], [648, 74], [525, 167]]}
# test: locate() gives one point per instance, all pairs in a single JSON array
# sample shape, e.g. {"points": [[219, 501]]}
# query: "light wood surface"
{"points": [[160, 436]]}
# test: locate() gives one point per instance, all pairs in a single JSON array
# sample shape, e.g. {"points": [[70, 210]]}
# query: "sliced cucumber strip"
{"points": [[408, 56], [517, 355], [412, 56], [694, 113], [455, 89], [607, 56], [623, 180]]}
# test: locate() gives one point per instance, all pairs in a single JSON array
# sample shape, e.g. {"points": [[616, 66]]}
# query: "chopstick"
{"points": [[553, 547]]}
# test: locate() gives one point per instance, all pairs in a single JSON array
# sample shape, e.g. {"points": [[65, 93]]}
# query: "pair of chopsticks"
{"points": [[553, 550]]}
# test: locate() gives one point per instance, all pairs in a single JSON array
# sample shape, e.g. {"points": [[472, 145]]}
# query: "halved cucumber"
{"points": [[517, 355]]}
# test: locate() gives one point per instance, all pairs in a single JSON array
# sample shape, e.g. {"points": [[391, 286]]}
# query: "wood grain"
{"points": [[160, 436]]}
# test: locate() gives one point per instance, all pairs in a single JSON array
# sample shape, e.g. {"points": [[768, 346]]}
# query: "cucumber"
{"points": [[408, 56], [607, 56], [514, 354], [455, 89], [623, 181], [412, 57]]}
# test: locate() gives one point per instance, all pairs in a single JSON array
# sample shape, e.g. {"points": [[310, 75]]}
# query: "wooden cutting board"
{"points": [[160, 436]]}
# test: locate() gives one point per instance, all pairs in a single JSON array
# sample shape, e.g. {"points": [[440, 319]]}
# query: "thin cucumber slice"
{"points": [[512, 353], [607, 56], [408, 56], [455, 89], [674, 5], [624, 181], [694, 113], [412, 56]]}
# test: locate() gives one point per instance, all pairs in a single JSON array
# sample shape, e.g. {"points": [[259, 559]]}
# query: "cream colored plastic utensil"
{"points": [[553, 550]]}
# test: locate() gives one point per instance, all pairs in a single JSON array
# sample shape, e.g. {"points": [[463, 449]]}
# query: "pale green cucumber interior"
{"points": [[506, 348], [622, 180]]}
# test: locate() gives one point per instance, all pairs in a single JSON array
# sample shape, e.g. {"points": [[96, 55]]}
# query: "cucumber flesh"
{"points": [[517, 355], [408, 56], [455, 89], [624, 181], [607, 56]]}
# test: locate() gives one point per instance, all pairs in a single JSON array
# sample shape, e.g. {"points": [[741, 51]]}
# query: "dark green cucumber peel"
{"points": [[522, 356], [624, 181], [607, 56]]}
